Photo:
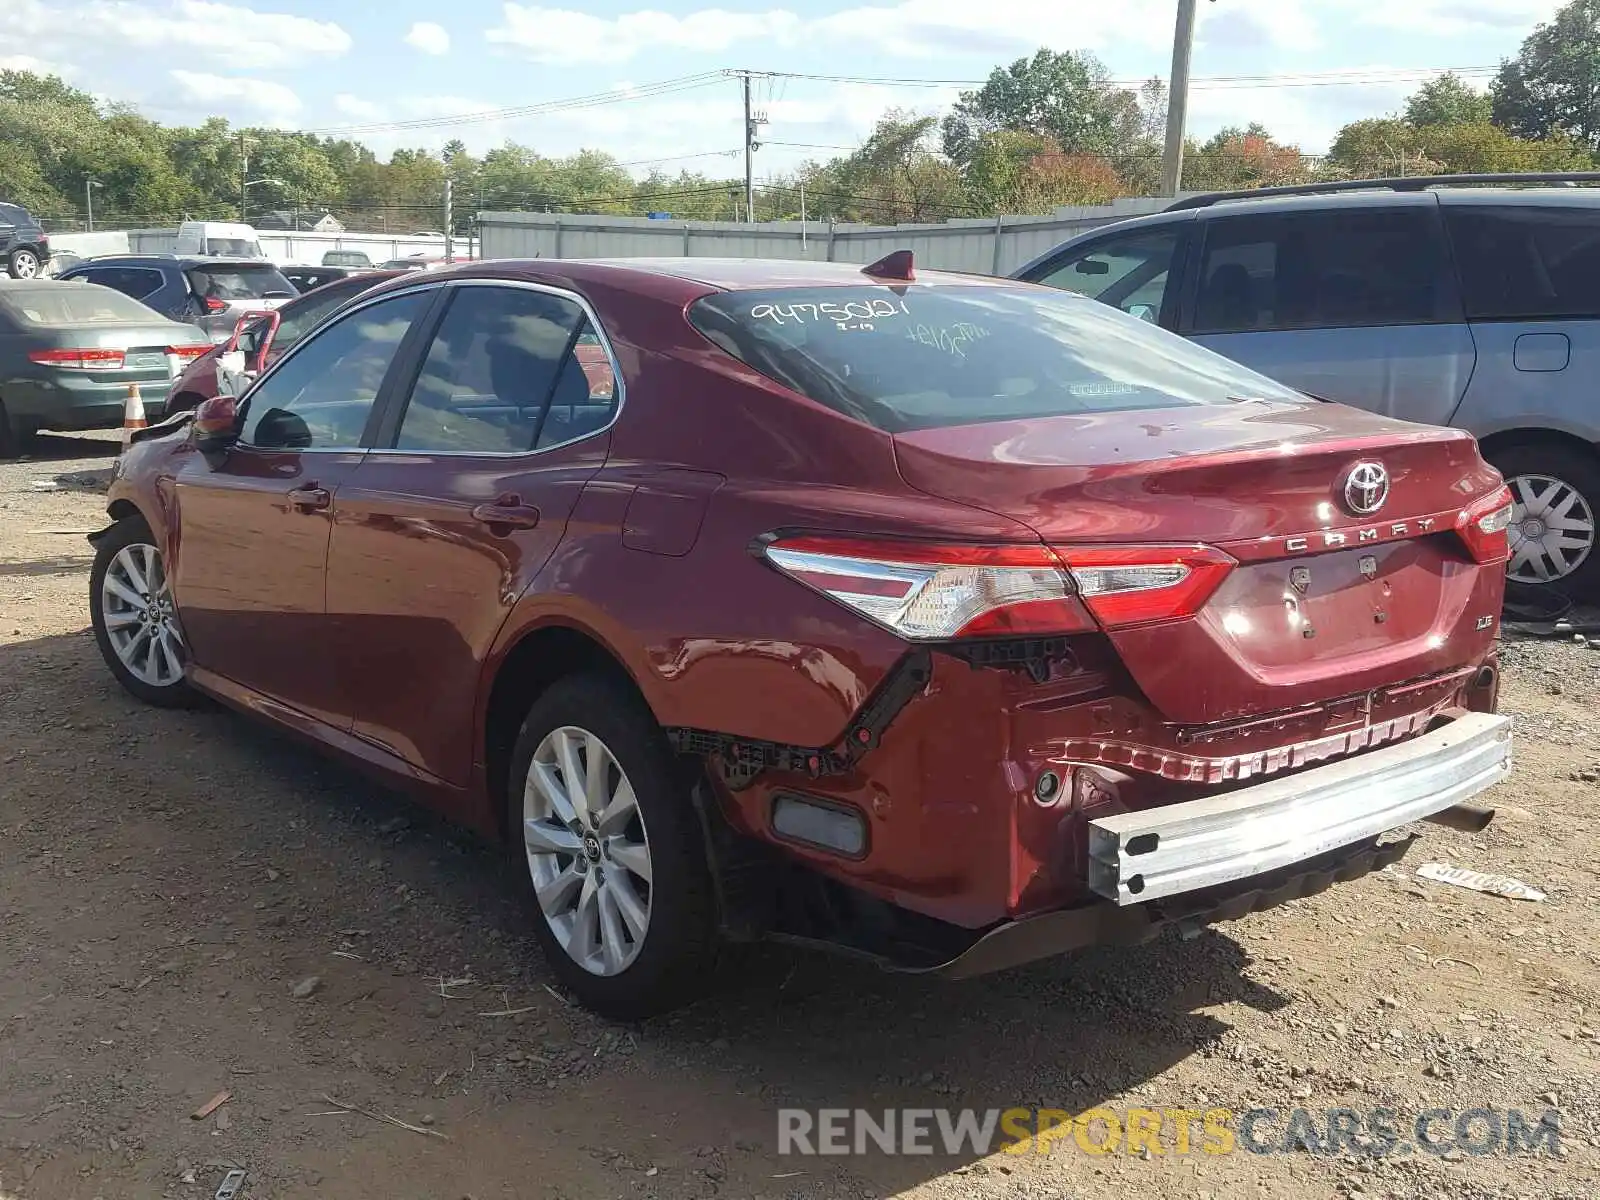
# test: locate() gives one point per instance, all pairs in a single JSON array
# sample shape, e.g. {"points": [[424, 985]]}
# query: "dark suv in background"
{"points": [[24, 245], [212, 293], [1439, 300]]}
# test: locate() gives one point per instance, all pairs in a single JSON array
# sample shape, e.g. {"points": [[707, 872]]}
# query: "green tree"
{"points": [[1235, 159], [1065, 96], [1448, 100], [1553, 84], [896, 175]]}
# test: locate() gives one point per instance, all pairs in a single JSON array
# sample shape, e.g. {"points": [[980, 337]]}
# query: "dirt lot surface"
{"points": [[168, 879]]}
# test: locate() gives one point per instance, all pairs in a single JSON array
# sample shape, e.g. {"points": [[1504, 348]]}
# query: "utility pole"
{"points": [[244, 174], [752, 121], [89, 186], [449, 223], [1178, 99]]}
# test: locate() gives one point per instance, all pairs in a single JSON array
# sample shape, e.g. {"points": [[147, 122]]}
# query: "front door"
{"points": [[440, 530], [251, 567]]}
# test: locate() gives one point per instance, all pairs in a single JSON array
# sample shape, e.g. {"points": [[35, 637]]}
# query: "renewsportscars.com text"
{"points": [[1378, 1132]]}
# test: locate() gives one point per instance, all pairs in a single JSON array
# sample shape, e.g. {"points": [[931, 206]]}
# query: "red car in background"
{"points": [[945, 620], [295, 318]]}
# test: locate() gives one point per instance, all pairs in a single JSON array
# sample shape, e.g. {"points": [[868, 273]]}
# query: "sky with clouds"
{"points": [[603, 75]]}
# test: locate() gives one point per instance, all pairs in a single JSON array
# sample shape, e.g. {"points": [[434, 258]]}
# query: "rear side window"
{"points": [[1327, 270], [1526, 261], [137, 282], [926, 356], [503, 376], [239, 282]]}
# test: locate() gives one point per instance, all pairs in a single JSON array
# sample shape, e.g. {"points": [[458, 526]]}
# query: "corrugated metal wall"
{"points": [[989, 246]]}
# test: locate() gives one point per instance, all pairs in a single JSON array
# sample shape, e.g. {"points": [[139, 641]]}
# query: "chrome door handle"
{"points": [[508, 511], [310, 498]]}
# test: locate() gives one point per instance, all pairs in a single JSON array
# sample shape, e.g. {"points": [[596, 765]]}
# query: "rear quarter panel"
{"points": [[1534, 375]]}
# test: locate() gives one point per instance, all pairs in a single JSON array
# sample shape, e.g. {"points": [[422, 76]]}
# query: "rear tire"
{"points": [[23, 263], [10, 443], [1551, 484], [615, 867], [135, 622]]}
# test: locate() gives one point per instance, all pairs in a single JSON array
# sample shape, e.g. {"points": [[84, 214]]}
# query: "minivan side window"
{"points": [[1528, 261], [1336, 269], [1130, 272]]}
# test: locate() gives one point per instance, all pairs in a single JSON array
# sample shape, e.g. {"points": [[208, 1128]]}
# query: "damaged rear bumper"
{"points": [[1139, 857]]}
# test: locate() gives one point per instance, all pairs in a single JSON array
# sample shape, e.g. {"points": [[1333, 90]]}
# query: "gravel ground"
{"points": [[191, 905]]}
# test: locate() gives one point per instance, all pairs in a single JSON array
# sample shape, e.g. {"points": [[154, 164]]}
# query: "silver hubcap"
{"points": [[1552, 529], [588, 852], [140, 620], [27, 266]]}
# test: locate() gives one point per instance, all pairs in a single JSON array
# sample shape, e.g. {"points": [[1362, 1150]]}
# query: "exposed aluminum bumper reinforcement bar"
{"points": [[1141, 856]]}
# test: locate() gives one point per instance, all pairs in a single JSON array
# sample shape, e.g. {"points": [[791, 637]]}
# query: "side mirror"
{"points": [[215, 429]]}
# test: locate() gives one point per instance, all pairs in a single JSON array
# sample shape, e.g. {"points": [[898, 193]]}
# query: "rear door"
{"points": [[441, 528], [1355, 304]]}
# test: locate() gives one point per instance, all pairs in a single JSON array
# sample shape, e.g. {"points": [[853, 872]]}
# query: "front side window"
{"points": [[505, 374], [137, 282], [925, 356], [320, 398], [1526, 261], [1325, 270], [1130, 273]]}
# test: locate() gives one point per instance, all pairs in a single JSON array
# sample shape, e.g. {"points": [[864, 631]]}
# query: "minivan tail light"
{"points": [[1483, 525], [215, 305], [937, 592], [79, 360], [1137, 585], [187, 354]]}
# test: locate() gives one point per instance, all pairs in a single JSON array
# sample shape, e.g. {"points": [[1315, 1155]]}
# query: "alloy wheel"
{"points": [[140, 620], [1552, 529], [587, 850], [25, 264]]}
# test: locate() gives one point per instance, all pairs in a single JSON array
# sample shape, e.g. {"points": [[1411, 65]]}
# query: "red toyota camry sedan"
{"points": [[948, 621]]}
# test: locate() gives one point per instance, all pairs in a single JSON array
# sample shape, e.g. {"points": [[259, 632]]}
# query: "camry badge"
{"points": [[1366, 488]]}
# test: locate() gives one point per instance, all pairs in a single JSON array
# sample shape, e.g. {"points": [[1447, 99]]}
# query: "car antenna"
{"points": [[894, 265]]}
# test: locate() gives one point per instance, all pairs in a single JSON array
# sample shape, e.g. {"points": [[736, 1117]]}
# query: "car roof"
{"points": [[720, 274], [187, 260]]}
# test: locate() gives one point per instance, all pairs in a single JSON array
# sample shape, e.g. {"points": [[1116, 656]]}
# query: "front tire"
{"points": [[23, 263], [135, 621], [1556, 491], [610, 848]]}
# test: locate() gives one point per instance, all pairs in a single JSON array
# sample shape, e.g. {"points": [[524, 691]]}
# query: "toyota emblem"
{"points": [[1366, 488]]}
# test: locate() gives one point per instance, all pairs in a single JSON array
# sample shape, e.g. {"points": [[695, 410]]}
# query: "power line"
{"points": [[1342, 78]]}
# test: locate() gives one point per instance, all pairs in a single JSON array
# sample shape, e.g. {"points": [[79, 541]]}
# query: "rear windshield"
{"points": [[240, 282], [345, 258], [73, 303], [233, 247], [921, 357]]}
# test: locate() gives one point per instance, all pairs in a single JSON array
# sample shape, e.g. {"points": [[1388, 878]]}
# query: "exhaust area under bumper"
{"points": [[1138, 857]]}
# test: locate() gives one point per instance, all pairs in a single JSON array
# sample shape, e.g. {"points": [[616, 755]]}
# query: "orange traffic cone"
{"points": [[132, 415]]}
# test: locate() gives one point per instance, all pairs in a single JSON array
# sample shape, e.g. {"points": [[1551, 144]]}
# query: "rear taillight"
{"points": [[1482, 526], [215, 305], [79, 360], [938, 592], [1135, 585], [187, 354]]}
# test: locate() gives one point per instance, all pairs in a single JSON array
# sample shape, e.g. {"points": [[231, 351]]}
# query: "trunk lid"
{"points": [[1324, 603], [152, 354]]}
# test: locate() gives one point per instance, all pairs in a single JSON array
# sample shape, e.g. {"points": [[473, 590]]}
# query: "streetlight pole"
{"points": [[245, 185], [89, 186], [1178, 98]]}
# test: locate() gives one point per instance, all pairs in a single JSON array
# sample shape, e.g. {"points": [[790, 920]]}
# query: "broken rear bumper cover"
{"points": [[1138, 857]]}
